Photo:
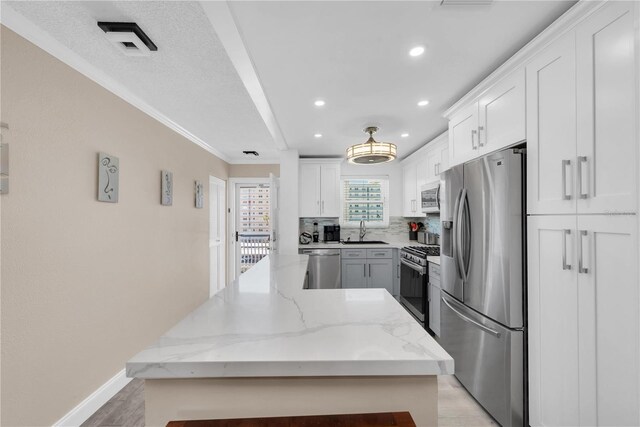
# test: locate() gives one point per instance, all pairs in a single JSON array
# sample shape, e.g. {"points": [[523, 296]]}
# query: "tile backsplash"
{"points": [[398, 228]]}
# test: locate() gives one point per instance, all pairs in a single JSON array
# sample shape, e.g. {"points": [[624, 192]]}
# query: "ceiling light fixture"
{"points": [[319, 103], [371, 152], [404, 135], [423, 103], [416, 51], [317, 135]]}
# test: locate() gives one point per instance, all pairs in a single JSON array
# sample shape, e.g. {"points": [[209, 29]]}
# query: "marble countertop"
{"points": [[265, 325]]}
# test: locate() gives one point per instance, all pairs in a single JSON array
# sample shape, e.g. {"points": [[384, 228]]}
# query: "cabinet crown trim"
{"points": [[559, 27]]}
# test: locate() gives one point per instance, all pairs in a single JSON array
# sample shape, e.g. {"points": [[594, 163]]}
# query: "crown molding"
{"points": [[559, 27], [27, 29]]}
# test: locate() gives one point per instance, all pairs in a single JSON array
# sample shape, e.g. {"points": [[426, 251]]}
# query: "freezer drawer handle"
{"points": [[470, 320]]}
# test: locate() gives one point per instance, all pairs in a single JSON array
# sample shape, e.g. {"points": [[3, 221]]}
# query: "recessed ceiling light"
{"points": [[404, 135], [317, 135], [416, 51], [319, 103], [423, 103]]}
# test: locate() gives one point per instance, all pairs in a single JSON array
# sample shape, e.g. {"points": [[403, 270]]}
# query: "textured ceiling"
{"points": [[354, 55], [190, 79]]}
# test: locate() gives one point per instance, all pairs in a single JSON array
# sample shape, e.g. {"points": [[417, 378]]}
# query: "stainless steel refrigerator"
{"points": [[482, 256]]}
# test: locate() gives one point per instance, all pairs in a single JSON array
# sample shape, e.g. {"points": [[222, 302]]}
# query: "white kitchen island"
{"points": [[264, 346]]}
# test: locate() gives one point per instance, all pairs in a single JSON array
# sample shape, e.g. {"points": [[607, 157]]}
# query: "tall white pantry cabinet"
{"points": [[582, 199]]}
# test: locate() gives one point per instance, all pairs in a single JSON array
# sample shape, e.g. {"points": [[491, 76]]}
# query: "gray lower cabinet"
{"points": [[368, 270], [381, 274], [434, 298], [354, 273]]}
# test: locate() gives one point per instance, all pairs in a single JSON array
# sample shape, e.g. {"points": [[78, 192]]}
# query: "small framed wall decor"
{"points": [[199, 194], [166, 188], [108, 178]]}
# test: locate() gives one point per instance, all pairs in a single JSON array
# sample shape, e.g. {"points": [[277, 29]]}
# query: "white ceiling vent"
{"points": [[466, 2], [128, 37]]}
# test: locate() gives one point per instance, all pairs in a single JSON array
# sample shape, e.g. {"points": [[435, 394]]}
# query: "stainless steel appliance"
{"points": [[324, 268], [430, 197], [331, 233], [483, 317], [427, 238], [414, 279]]}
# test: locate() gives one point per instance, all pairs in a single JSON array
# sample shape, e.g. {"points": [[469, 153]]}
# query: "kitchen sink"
{"points": [[364, 242]]}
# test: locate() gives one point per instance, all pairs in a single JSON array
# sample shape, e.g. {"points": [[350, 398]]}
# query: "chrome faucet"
{"points": [[363, 230]]}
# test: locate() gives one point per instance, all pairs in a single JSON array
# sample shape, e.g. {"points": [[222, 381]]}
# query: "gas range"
{"points": [[418, 254]]}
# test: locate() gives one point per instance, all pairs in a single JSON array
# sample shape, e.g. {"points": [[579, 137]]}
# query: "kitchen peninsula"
{"points": [[264, 346]]}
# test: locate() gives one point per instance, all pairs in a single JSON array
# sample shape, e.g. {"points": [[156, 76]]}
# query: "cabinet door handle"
{"points": [[581, 160], [369, 270], [474, 132], [364, 270], [322, 209], [565, 234], [480, 144], [435, 168], [581, 267], [565, 163], [413, 205]]}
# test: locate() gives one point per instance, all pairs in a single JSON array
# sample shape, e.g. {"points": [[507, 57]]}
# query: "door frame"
{"points": [[231, 223], [222, 212]]}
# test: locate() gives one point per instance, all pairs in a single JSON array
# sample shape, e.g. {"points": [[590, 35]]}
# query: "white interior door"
{"points": [[217, 233], [252, 236]]}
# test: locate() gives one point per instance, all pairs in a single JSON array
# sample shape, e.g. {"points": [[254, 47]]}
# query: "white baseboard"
{"points": [[91, 404]]}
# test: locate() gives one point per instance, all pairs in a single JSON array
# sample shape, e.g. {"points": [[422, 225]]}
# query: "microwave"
{"points": [[430, 197]]}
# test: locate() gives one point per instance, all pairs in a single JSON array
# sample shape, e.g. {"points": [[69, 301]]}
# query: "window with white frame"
{"points": [[364, 199]]}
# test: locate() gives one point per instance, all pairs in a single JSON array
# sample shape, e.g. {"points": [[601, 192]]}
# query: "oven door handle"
{"points": [[420, 269], [470, 320]]}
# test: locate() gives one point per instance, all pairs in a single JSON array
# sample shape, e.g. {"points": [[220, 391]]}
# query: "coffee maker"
{"points": [[331, 233]]}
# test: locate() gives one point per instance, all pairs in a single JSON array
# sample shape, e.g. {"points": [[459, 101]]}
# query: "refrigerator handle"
{"points": [[438, 196], [470, 320], [454, 237], [459, 244]]}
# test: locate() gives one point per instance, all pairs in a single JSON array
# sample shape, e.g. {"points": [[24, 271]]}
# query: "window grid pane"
{"points": [[363, 200]]}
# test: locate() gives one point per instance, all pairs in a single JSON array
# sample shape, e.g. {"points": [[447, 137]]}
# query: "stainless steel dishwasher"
{"points": [[324, 268]]}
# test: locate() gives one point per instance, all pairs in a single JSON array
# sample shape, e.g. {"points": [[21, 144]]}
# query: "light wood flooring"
{"points": [[455, 407]]}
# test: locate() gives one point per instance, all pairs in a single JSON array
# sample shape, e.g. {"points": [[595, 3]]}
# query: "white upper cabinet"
{"points": [[319, 188], [582, 116], [501, 114], [551, 131], [411, 191], [423, 167], [494, 120], [463, 135], [309, 189], [607, 150], [330, 190], [437, 157]]}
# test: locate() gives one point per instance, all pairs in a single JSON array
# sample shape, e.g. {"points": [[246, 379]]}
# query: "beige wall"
{"points": [[86, 285], [253, 171]]}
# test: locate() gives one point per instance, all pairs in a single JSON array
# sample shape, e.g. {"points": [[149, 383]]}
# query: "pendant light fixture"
{"points": [[372, 151]]}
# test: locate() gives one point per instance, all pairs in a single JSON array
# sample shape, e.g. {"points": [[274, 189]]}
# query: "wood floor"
{"points": [[455, 407]]}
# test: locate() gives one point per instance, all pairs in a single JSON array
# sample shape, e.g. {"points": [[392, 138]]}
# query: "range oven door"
{"points": [[413, 289]]}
